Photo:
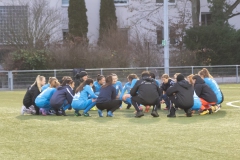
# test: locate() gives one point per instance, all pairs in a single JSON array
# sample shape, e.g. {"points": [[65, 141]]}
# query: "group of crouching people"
{"points": [[192, 93]]}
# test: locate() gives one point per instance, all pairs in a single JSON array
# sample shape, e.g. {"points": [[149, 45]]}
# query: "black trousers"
{"points": [[175, 102], [136, 101], [112, 105]]}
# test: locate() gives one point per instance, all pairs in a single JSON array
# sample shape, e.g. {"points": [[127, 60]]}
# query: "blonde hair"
{"points": [[38, 81], [175, 75], [205, 73], [53, 81], [165, 76], [190, 78]]}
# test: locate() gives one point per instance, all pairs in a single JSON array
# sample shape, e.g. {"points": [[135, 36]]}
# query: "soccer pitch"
{"points": [[30, 137]]}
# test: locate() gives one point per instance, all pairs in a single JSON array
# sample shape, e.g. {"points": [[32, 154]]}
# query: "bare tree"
{"points": [[32, 24]]}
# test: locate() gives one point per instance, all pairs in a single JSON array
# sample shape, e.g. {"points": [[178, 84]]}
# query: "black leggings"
{"points": [[110, 105], [136, 101]]}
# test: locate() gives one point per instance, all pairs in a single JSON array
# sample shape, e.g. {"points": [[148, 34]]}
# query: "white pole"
{"points": [[166, 38]]}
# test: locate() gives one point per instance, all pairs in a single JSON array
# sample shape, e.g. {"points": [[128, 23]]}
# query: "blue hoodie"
{"points": [[63, 93], [118, 87], [97, 87], [215, 88], [83, 96], [44, 97], [45, 86], [126, 87]]}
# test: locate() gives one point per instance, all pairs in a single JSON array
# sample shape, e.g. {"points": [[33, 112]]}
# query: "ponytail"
{"points": [[205, 73], [83, 84], [38, 81]]}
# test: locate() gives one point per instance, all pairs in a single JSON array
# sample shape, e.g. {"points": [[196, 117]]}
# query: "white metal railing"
{"points": [[21, 79]]}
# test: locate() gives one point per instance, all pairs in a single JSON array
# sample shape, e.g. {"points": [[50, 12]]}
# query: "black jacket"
{"points": [[203, 91], [183, 94], [165, 86], [147, 89], [30, 96]]}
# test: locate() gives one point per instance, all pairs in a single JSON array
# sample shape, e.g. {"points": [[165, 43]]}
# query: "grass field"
{"points": [[30, 137]]}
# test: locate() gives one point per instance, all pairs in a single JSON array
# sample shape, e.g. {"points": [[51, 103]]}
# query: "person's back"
{"points": [[63, 93], [147, 89], [45, 96], [106, 94], [215, 88], [183, 94], [204, 91]]}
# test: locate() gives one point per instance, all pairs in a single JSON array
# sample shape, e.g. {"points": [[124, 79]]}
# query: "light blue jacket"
{"points": [[97, 87], [44, 97], [215, 88], [126, 87], [45, 86], [118, 87], [81, 98]]}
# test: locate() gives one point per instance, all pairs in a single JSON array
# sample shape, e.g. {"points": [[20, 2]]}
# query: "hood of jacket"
{"points": [[199, 80], [185, 84], [148, 79]]}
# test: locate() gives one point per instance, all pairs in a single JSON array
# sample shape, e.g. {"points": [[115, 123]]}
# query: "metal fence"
{"points": [[21, 79]]}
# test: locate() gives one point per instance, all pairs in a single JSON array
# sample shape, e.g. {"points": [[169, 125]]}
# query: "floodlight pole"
{"points": [[166, 38]]}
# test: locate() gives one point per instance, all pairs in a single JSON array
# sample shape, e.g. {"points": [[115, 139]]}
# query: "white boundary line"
{"points": [[230, 104]]}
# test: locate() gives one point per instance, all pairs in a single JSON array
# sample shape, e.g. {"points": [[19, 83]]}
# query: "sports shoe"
{"points": [[76, 113], [100, 113], [64, 113], [172, 112], [58, 113], [147, 109], [189, 113], [154, 114], [86, 115], [44, 112], [32, 110], [94, 109], [139, 114], [204, 112], [128, 106], [109, 114], [218, 107], [23, 110]]}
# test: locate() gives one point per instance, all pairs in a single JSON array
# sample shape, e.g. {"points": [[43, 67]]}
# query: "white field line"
{"points": [[230, 104]]}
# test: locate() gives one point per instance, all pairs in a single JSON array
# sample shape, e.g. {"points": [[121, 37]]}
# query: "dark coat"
{"points": [[30, 96], [63, 93], [147, 89], [204, 91], [183, 94]]}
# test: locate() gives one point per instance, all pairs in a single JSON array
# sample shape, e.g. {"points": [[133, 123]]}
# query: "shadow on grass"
{"points": [[182, 119]]}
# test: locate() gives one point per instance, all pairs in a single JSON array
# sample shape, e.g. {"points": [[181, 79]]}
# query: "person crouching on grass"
{"points": [[181, 96], [62, 98], [43, 99], [126, 97], [107, 98], [146, 92], [206, 95], [84, 98], [33, 91]]}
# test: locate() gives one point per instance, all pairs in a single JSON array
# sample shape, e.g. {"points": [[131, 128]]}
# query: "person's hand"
{"points": [[94, 100]]}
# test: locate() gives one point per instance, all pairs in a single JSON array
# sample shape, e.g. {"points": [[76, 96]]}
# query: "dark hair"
{"points": [[100, 77], [66, 80], [109, 80], [132, 76], [145, 74], [83, 84], [152, 75]]}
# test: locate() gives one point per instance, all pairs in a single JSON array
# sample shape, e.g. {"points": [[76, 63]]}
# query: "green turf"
{"points": [[121, 137]]}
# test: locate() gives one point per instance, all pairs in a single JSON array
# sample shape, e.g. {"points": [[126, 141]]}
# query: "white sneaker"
{"points": [[32, 110], [218, 107], [23, 110]]}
